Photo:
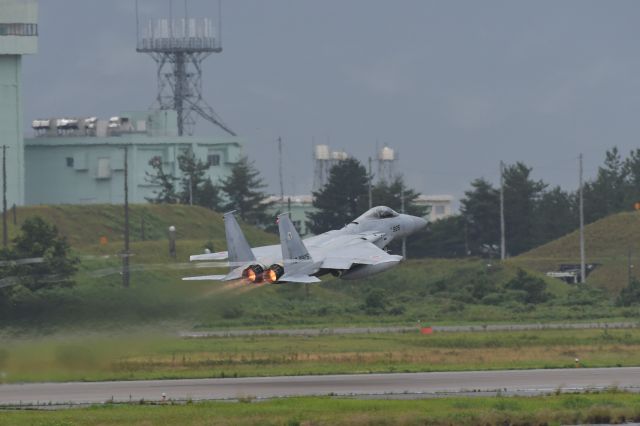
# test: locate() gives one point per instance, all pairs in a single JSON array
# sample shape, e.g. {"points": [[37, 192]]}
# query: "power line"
{"points": [[125, 257]]}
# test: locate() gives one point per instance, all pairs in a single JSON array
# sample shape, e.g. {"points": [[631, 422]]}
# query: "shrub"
{"points": [[532, 289], [630, 295]]}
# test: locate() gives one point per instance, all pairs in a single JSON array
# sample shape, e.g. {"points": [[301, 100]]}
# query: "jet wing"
{"points": [[358, 252]]}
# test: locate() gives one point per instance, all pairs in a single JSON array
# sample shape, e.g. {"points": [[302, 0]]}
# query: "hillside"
{"points": [[85, 225], [427, 290], [608, 241]]}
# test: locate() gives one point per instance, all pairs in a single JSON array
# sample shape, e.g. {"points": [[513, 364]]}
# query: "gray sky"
{"points": [[454, 86]]}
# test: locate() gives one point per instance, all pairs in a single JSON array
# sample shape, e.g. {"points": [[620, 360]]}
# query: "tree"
{"points": [[555, 215], [606, 194], [442, 238], [242, 190], [197, 189], [532, 289], [166, 181], [342, 199], [480, 209], [38, 239], [390, 195], [630, 295], [521, 195], [632, 174], [209, 196]]}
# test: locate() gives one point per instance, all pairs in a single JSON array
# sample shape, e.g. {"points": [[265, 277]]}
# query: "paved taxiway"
{"points": [[406, 329], [509, 382]]}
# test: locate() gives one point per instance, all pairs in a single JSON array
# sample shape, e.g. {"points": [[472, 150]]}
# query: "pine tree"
{"points": [[167, 193], [197, 189], [342, 199], [390, 195], [480, 208], [242, 189]]}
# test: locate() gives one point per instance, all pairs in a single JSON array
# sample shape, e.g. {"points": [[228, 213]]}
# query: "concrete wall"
{"points": [[11, 125], [18, 12]]}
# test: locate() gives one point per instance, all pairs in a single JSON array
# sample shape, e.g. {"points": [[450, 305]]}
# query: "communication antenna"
{"points": [[179, 46]]}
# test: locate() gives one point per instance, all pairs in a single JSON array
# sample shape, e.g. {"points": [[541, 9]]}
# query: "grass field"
{"points": [[435, 291], [141, 356], [611, 407], [610, 242]]}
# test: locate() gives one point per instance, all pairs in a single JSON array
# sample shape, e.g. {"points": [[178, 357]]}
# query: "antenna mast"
{"points": [[179, 46]]}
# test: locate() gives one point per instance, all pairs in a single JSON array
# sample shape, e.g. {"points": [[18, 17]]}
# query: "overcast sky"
{"points": [[454, 86]]}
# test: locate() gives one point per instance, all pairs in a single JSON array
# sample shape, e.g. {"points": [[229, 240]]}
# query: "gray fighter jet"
{"points": [[355, 251]]}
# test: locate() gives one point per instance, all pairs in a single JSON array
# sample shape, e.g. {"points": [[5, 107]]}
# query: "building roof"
{"points": [[299, 199], [435, 198]]}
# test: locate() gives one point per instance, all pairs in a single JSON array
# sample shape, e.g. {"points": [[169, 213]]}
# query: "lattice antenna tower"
{"points": [[179, 46]]}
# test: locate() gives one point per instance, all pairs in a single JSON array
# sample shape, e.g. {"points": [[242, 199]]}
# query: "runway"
{"points": [[525, 382]]}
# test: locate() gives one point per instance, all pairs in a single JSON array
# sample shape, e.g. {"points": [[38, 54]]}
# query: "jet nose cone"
{"points": [[418, 223]]}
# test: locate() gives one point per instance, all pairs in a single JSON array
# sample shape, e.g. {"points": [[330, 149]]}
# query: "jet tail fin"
{"points": [[296, 257], [237, 246]]}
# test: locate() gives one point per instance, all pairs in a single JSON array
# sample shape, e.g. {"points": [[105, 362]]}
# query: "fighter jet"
{"points": [[355, 251]]}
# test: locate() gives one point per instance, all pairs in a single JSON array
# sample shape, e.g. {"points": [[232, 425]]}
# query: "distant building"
{"points": [[81, 160], [298, 206], [441, 206], [18, 36]]}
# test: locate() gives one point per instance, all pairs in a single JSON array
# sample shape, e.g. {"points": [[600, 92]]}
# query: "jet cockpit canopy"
{"points": [[379, 212]]}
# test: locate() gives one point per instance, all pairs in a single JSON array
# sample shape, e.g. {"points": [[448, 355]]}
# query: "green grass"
{"points": [[434, 291], [556, 409], [145, 355], [608, 241], [84, 225]]}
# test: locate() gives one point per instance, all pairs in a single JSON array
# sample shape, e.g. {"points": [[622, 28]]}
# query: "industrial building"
{"points": [[298, 206], [81, 160], [18, 36]]}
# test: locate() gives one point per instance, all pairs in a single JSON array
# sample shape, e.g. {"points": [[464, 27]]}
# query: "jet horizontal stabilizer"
{"points": [[299, 279], [205, 278]]}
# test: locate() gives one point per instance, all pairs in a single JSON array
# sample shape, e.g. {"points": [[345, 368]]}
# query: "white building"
{"points": [[441, 206]]}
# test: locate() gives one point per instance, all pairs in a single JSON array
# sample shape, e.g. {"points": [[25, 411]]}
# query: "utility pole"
{"points": [[4, 197], [370, 189], [404, 239], [503, 249], [280, 175], [125, 257], [629, 267], [191, 157], [583, 278]]}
